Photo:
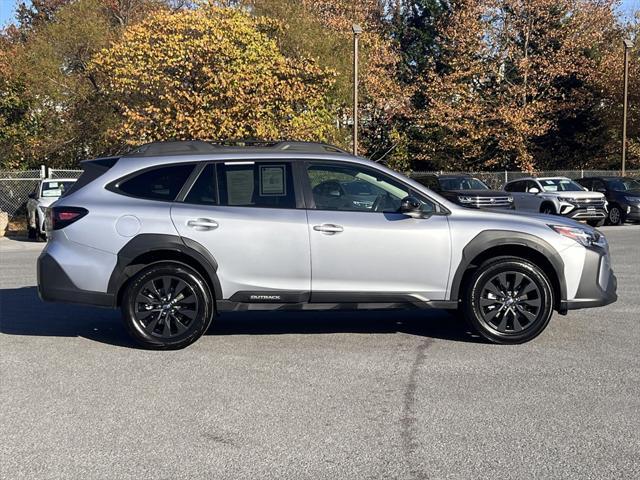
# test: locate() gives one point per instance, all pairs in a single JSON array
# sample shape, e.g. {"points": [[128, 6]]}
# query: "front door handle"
{"points": [[328, 228], [202, 224]]}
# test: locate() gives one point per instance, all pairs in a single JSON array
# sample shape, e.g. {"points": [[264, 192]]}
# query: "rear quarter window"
{"points": [[160, 183]]}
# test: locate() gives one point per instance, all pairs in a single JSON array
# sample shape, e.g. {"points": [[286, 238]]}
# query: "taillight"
{"points": [[60, 217]]}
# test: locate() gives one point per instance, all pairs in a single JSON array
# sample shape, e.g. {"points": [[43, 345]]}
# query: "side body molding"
{"points": [[500, 238], [147, 243]]}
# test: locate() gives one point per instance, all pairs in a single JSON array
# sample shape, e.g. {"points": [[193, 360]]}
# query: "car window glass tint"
{"points": [[204, 191], [515, 187], [163, 183], [256, 184], [350, 188]]}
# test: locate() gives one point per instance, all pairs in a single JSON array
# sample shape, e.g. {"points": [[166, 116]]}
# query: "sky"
{"points": [[7, 9]]}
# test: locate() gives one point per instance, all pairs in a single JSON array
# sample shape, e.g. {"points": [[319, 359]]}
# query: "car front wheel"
{"points": [[167, 306], [509, 300], [616, 217]]}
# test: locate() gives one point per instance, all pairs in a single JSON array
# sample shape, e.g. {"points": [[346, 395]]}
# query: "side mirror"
{"points": [[534, 190], [33, 195], [411, 206]]}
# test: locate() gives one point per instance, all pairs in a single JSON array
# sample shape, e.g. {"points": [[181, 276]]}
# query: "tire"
{"points": [[616, 216], [492, 309], [596, 223], [159, 314], [547, 209]]}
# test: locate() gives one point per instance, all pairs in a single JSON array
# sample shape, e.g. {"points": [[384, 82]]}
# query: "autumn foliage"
{"points": [[445, 84]]}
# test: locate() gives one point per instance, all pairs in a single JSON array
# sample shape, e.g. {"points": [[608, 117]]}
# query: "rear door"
{"points": [[249, 216], [367, 251]]}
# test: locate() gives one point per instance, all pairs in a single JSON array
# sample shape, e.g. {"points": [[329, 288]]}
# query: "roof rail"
{"points": [[179, 147], [195, 147], [307, 147]]}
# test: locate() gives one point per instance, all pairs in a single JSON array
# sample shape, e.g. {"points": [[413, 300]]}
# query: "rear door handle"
{"points": [[328, 228], [202, 224]]}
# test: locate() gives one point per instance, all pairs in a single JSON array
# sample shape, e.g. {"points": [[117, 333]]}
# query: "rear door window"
{"points": [[162, 183], [205, 189], [256, 184]]}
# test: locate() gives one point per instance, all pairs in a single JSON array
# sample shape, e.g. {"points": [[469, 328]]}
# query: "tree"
{"points": [[210, 73], [66, 114], [416, 25], [517, 72]]}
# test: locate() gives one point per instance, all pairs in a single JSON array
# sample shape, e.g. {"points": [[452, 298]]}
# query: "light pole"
{"points": [[628, 45], [357, 30]]}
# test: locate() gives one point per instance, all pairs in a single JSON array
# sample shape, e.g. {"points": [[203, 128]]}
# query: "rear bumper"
{"points": [[54, 285], [598, 284]]}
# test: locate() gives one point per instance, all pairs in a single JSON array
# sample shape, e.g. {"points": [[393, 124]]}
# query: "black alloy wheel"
{"points": [[167, 306], [510, 300]]}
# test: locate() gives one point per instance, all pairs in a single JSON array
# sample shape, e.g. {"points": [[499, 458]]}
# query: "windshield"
{"points": [[624, 185], [55, 189], [560, 185], [463, 183]]}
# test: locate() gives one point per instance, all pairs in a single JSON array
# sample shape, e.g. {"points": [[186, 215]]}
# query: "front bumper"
{"points": [[588, 214], [633, 213], [54, 285], [597, 285]]}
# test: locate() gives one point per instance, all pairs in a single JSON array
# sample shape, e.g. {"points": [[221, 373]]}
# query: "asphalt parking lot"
{"points": [[315, 395]]}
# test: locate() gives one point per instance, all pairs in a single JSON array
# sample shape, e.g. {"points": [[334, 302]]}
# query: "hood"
{"points": [[628, 193], [519, 216], [477, 193], [580, 195]]}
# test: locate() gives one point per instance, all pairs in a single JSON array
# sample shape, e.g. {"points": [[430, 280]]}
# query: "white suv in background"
{"points": [[558, 196]]}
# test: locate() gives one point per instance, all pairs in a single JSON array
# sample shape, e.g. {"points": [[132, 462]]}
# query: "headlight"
{"points": [[509, 199], [466, 199], [634, 200], [567, 199], [586, 238]]}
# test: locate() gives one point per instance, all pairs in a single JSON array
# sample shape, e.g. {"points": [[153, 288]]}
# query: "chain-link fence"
{"points": [[62, 173], [496, 180], [16, 185]]}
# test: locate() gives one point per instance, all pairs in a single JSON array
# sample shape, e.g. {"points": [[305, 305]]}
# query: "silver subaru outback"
{"points": [[175, 232]]}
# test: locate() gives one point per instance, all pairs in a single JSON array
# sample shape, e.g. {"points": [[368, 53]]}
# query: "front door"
{"points": [[246, 214], [362, 249]]}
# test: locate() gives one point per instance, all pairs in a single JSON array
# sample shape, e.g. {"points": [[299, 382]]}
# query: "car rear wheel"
{"points": [[167, 306], [509, 300], [615, 217]]}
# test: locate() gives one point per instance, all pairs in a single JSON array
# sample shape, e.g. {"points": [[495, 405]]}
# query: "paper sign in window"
{"points": [[272, 181], [240, 187]]}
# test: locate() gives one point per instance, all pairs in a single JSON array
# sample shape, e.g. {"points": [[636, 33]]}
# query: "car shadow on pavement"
{"points": [[23, 313]]}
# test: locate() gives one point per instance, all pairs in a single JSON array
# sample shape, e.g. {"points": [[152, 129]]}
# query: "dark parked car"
{"points": [[466, 190], [622, 193]]}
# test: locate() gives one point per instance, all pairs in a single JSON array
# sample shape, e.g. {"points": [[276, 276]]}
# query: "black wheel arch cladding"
{"points": [[149, 244], [489, 239]]}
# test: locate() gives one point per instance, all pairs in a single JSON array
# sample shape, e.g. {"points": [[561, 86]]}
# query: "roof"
{"points": [[197, 147], [537, 178]]}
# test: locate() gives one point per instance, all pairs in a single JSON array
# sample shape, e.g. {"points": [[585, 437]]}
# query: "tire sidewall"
{"points": [[479, 279], [194, 280], [620, 218]]}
